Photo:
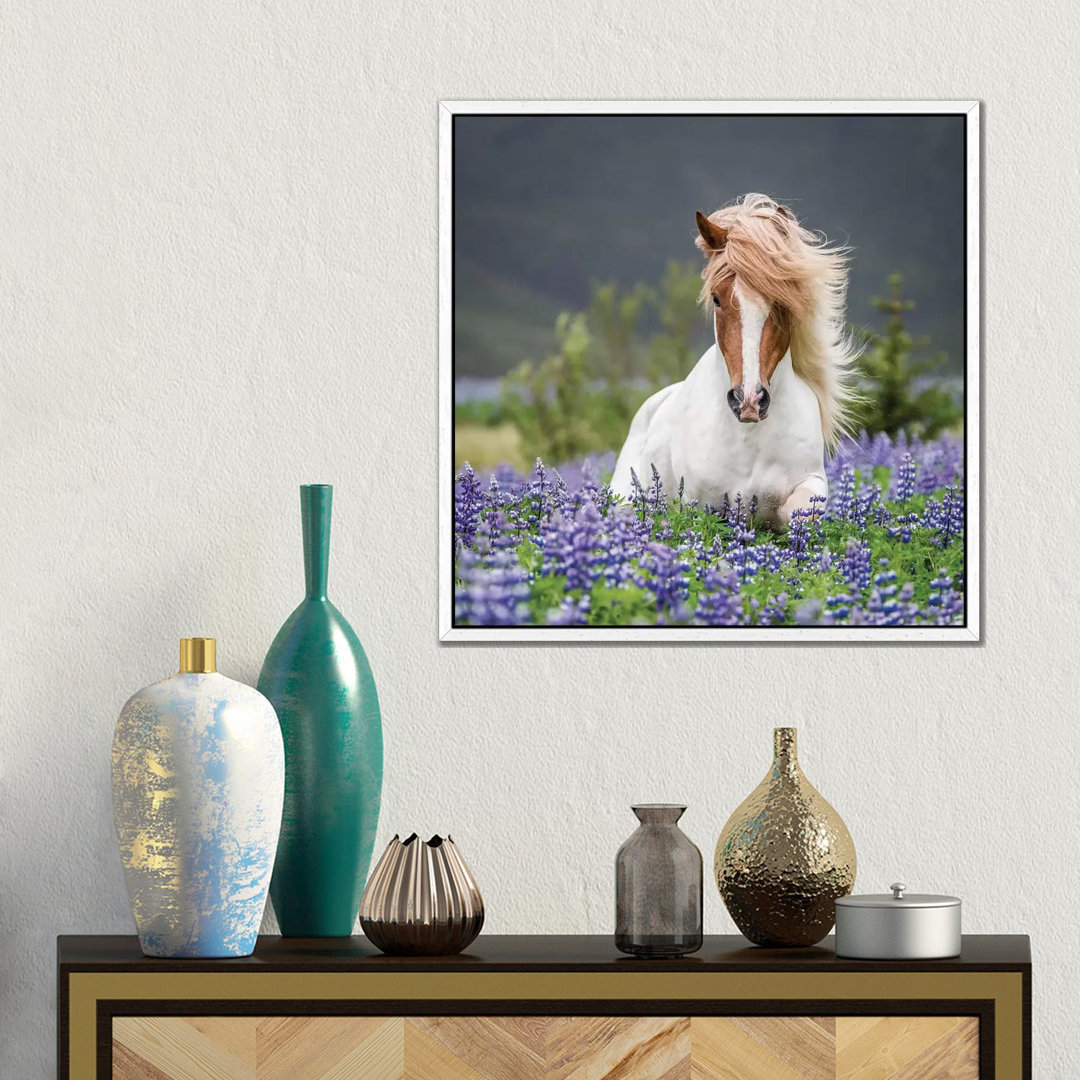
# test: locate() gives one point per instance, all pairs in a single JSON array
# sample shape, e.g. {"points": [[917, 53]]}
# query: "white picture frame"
{"points": [[969, 633]]}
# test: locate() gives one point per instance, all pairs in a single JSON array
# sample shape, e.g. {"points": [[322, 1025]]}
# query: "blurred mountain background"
{"points": [[546, 206]]}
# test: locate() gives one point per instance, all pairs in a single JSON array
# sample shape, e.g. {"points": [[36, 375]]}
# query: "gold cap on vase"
{"points": [[198, 655]]}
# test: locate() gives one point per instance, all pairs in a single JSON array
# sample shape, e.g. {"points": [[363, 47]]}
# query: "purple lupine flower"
{"points": [[774, 611], [770, 557], [953, 512], [904, 487], [571, 613], [622, 544], [657, 502], [637, 494], [679, 615], [696, 556], [809, 613], [839, 608], [933, 517], [738, 513], [946, 518], [494, 497], [719, 603], [467, 503], [944, 606], [888, 605], [941, 463], [842, 502], [741, 554], [903, 527], [493, 589], [860, 505], [602, 498], [503, 535], [663, 576], [560, 493], [799, 536], [570, 547], [538, 487], [855, 565]]}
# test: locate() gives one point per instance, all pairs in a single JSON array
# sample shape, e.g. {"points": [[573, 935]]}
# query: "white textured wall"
{"points": [[218, 280]]}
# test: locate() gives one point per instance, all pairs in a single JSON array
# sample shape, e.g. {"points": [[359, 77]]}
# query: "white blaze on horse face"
{"points": [[753, 311]]}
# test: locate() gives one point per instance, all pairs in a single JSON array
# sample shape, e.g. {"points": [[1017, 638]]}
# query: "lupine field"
{"points": [[556, 548]]}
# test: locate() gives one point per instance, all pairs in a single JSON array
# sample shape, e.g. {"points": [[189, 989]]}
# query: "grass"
{"points": [[485, 447]]}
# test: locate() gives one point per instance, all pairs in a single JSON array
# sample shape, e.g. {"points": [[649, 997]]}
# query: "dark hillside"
{"points": [[545, 205]]}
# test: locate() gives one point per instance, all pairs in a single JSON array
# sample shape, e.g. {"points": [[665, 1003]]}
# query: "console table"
{"points": [[526, 1008]]}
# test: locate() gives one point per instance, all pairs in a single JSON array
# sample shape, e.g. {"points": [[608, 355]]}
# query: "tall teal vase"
{"points": [[319, 681]]}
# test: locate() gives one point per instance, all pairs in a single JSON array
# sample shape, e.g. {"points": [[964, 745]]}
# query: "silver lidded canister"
{"points": [[898, 927]]}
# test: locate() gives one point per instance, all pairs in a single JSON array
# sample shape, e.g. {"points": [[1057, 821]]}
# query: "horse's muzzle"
{"points": [[749, 410]]}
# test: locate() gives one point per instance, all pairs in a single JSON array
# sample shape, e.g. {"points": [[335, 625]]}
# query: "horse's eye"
{"points": [[716, 301]]}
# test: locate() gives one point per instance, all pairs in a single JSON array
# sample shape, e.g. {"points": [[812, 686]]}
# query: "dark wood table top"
{"points": [[491, 952]]}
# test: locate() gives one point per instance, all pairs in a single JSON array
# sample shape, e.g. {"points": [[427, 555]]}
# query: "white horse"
{"points": [[758, 410]]}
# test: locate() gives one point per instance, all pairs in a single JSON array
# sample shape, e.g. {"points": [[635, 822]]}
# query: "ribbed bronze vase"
{"points": [[784, 856], [421, 899]]}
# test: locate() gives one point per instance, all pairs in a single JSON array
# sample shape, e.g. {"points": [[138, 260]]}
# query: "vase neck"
{"points": [[198, 656], [658, 813], [316, 502], [785, 751]]}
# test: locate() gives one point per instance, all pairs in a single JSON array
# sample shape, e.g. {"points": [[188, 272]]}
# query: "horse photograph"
{"points": [[767, 437], [777, 294]]}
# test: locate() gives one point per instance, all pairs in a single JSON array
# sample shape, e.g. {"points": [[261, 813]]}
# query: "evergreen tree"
{"points": [[897, 394]]}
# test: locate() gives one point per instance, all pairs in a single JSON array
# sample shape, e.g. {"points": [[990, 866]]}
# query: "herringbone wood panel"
{"points": [[328, 1048], [956, 1057], [806, 1044], [127, 1065], [616, 1048], [545, 1048], [891, 1047], [723, 1049], [185, 1048], [497, 1047], [427, 1059]]}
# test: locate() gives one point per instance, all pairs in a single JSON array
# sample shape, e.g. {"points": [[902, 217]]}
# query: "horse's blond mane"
{"points": [[797, 269]]}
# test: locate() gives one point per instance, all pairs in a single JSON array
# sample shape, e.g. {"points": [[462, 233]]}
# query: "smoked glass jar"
{"points": [[658, 886]]}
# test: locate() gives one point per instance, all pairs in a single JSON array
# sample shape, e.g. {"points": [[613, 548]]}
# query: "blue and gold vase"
{"points": [[320, 683], [198, 781]]}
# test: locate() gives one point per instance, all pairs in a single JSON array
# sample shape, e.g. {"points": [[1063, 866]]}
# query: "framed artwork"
{"points": [[709, 371]]}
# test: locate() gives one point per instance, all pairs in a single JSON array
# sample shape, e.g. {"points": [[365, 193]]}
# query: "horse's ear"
{"points": [[712, 238]]}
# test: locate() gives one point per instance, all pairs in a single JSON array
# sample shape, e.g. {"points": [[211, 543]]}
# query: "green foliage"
{"points": [[550, 402], [480, 412], [672, 353], [891, 374], [581, 398]]}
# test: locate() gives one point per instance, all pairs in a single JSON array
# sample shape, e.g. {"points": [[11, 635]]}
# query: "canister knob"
{"points": [[898, 889]]}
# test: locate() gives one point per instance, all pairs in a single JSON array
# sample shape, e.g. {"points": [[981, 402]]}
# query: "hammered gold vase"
{"points": [[784, 856]]}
